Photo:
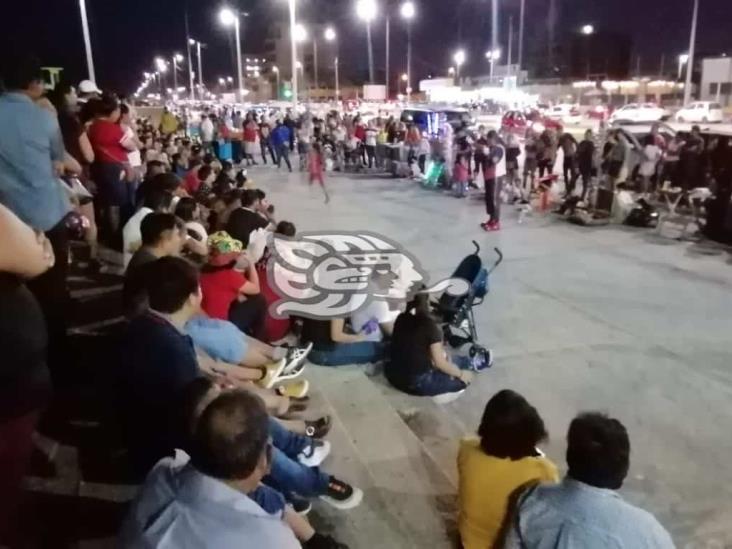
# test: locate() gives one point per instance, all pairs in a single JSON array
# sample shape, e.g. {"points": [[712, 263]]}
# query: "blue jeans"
{"points": [[268, 499], [287, 475], [283, 151], [434, 382], [341, 354]]}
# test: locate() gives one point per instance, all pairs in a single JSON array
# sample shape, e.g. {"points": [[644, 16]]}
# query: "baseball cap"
{"points": [[223, 249], [87, 86]]}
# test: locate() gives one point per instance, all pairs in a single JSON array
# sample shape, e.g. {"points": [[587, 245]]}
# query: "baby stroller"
{"points": [[456, 312]]}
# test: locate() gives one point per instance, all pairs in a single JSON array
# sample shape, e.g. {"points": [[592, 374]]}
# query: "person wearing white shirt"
{"points": [[155, 200], [207, 133], [649, 163]]}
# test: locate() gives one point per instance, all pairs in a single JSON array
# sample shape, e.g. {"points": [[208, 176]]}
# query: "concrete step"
{"points": [[409, 500]]}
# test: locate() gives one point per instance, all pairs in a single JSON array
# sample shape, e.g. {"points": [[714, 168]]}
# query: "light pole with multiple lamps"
{"points": [[407, 12], [330, 36], [177, 58], [588, 30], [229, 17], [366, 11], [458, 58], [492, 56], [199, 45]]}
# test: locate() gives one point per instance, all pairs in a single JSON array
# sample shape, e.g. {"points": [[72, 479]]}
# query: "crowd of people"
{"points": [[209, 400]]}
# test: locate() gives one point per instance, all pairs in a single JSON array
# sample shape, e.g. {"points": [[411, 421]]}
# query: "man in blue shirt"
{"points": [[31, 158], [281, 137], [585, 510]]}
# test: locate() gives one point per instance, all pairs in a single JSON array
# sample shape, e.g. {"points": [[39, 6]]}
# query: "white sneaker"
{"points": [[296, 356], [446, 398], [293, 373], [315, 454]]}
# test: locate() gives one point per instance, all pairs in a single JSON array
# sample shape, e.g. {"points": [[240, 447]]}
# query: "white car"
{"points": [[701, 111], [563, 112], [639, 112]]}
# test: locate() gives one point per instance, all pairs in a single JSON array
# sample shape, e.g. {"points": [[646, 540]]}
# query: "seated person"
{"points": [[227, 293], [585, 510], [246, 219], [274, 329], [189, 211], [493, 466], [155, 200], [376, 319], [166, 181], [419, 364], [157, 359], [206, 497], [163, 235], [334, 346]]}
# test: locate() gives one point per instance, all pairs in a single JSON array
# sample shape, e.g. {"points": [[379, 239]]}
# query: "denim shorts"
{"points": [[221, 339]]}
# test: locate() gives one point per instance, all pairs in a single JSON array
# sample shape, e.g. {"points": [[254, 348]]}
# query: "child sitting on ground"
{"points": [[461, 177]]}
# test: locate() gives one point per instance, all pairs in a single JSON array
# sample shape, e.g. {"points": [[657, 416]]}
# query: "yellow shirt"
{"points": [[486, 483]]}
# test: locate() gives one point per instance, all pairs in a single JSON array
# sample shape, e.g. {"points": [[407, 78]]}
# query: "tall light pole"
{"points": [[162, 67], [177, 58], [683, 58], [588, 30], [87, 41], [386, 50], [191, 93], [229, 17], [331, 36], [276, 70], [315, 61], [690, 62], [458, 58], [301, 35], [522, 17], [293, 53], [492, 56], [494, 31], [366, 11], [198, 45], [408, 11]]}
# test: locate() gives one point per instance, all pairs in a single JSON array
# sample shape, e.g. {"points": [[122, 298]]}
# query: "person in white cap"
{"points": [[88, 90]]}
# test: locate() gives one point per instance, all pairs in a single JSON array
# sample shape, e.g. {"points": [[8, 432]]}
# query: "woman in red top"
{"points": [[251, 135], [227, 293], [110, 165]]}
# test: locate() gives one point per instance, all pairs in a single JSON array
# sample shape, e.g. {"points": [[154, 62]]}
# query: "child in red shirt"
{"points": [[228, 294], [316, 167]]}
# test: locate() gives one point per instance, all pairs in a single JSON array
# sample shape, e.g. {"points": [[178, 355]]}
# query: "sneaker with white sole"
{"points": [[296, 356], [272, 374], [315, 454], [446, 398], [296, 389], [292, 373], [342, 495]]}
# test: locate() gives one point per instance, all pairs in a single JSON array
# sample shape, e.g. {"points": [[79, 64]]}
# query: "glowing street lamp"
{"points": [[459, 59], [587, 30], [408, 11], [177, 58], [366, 11], [229, 17], [330, 36], [683, 59], [300, 33], [493, 56]]}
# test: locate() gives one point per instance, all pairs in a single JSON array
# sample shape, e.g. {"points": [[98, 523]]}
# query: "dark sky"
{"points": [[126, 35]]}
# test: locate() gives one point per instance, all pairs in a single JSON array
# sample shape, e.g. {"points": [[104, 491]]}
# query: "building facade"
{"points": [[716, 80]]}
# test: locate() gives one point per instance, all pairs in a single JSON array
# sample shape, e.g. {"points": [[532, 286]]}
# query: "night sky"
{"points": [[127, 35]]}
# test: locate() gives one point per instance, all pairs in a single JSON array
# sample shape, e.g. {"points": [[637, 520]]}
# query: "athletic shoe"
{"points": [[296, 356], [492, 226], [483, 360], [272, 373], [485, 225], [315, 454], [318, 428], [293, 373], [297, 389], [301, 506], [342, 495], [446, 398]]}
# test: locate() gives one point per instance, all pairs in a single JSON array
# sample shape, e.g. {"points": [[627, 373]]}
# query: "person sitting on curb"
{"points": [[585, 510], [493, 465], [214, 498]]}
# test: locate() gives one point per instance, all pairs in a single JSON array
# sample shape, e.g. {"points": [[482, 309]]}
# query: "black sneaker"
{"points": [[301, 506], [318, 428], [319, 541], [342, 495]]}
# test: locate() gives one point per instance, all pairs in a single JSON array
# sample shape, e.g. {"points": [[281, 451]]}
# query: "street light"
{"points": [[459, 59], [229, 17], [683, 59], [293, 52], [493, 56], [177, 58], [587, 29], [199, 45], [87, 40], [331, 36], [408, 11], [366, 11]]}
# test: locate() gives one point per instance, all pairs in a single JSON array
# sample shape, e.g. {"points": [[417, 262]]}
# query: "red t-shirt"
{"points": [[220, 289], [191, 181], [105, 138], [250, 132]]}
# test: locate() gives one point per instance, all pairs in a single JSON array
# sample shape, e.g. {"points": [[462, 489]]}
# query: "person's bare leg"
{"points": [[260, 346], [87, 210], [255, 358]]}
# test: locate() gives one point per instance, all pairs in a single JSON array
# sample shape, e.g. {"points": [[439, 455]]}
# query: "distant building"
{"points": [[716, 80]]}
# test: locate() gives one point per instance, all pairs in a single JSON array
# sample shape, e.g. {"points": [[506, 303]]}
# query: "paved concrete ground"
{"points": [[610, 319]]}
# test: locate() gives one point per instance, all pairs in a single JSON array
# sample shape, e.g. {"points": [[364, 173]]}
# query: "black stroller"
{"points": [[456, 312]]}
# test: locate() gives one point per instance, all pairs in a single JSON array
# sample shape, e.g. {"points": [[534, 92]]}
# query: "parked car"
{"points": [[700, 111], [634, 135], [563, 112], [639, 112], [600, 112], [517, 122]]}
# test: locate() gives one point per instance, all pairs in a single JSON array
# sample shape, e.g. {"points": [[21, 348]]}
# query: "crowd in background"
{"points": [[209, 399]]}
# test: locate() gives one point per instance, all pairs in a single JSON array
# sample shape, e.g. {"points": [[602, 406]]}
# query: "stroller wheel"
{"points": [[482, 358]]}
